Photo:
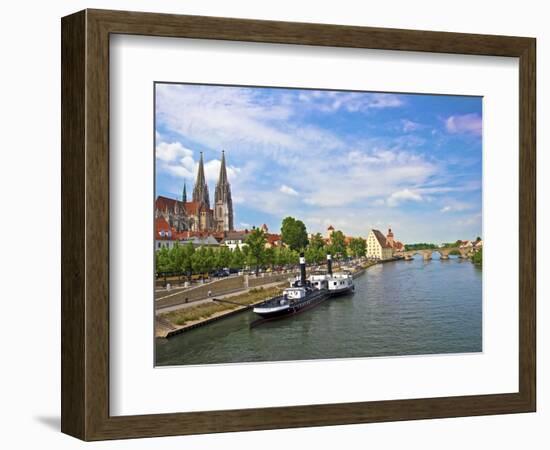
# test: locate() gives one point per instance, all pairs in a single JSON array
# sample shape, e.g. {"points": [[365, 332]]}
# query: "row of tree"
{"points": [[190, 260], [294, 235], [187, 259]]}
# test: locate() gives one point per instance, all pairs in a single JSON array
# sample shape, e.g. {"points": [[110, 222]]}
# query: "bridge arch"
{"points": [[443, 253]]}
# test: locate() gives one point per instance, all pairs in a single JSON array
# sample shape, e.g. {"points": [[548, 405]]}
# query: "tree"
{"points": [[478, 257], [188, 251], [338, 243], [358, 247], [199, 261], [317, 241], [163, 261], [294, 233], [424, 246], [237, 258], [255, 242], [178, 257], [210, 262], [223, 258], [269, 256]]}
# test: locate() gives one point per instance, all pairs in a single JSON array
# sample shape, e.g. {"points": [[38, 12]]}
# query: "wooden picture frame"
{"points": [[85, 224]]}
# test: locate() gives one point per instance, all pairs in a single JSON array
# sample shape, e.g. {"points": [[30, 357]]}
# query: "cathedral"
{"points": [[197, 215]]}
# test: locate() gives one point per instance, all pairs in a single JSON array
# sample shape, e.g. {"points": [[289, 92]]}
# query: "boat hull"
{"points": [[342, 291], [267, 312]]}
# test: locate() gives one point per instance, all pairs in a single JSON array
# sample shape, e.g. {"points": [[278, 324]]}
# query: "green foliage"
{"points": [[294, 233], [269, 256], [358, 247], [164, 261], [237, 259], [188, 251], [317, 241], [421, 246], [223, 258], [200, 261], [337, 244], [315, 254], [255, 243], [478, 257]]}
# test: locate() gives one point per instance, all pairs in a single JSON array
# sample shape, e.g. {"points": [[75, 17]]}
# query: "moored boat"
{"points": [[301, 295], [339, 283]]}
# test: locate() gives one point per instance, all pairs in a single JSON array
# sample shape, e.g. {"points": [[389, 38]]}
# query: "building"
{"points": [[223, 204], [235, 239], [378, 246], [197, 215], [466, 245], [330, 230], [395, 245], [166, 236]]}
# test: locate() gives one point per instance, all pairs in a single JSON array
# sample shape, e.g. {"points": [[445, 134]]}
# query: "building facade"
{"points": [[378, 246], [223, 206], [197, 215]]}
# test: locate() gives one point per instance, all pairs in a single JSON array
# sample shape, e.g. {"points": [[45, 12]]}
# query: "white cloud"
{"points": [[362, 175], [212, 171], [290, 167], [333, 101], [464, 124], [179, 161], [288, 190], [409, 125], [455, 206], [402, 196], [172, 151]]}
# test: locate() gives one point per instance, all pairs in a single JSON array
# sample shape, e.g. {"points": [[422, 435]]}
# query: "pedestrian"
{"points": [[209, 293]]}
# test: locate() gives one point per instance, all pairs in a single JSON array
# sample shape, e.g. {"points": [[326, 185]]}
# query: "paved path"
{"points": [[209, 299]]}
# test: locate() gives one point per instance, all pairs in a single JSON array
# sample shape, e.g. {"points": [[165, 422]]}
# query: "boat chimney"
{"points": [[329, 264], [302, 269]]}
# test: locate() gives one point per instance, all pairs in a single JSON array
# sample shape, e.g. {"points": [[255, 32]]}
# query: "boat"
{"points": [[339, 283], [301, 295]]}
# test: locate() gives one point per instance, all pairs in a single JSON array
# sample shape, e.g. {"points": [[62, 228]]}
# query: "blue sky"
{"points": [[354, 160]]}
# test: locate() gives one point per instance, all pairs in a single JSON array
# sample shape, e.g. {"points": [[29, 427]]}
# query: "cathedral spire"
{"points": [[223, 208], [200, 175], [200, 192], [184, 195], [223, 171]]}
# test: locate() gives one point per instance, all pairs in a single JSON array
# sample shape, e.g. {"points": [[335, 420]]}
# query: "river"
{"points": [[399, 308]]}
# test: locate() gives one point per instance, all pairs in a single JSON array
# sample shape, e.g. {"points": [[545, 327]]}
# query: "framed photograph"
{"points": [[273, 225]]}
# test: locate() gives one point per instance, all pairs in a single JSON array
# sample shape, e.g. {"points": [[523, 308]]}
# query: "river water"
{"points": [[399, 308]]}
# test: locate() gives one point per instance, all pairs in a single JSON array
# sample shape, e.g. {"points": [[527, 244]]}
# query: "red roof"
{"points": [[273, 239], [381, 239], [163, 229], [192, 207], [163, 203], [330, 227], [161, 224]]}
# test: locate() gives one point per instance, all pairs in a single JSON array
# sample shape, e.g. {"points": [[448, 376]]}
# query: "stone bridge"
{"points": [[443, 252]]}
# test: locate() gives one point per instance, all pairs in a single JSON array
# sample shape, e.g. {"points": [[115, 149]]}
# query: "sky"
{"points": [[354, 160]]}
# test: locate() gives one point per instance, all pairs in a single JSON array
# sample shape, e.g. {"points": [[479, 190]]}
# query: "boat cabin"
{"points": [[294, 293]]}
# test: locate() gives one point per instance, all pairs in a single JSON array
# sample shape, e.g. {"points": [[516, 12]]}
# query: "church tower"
{"points": [[200, 192], [223, 207]]}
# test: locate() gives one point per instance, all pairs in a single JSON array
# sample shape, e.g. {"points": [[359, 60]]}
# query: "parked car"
{"points": [[221, 273]]}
